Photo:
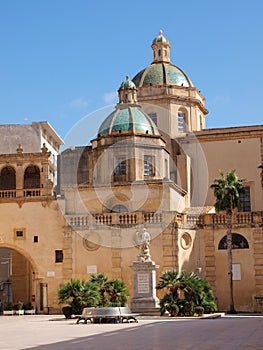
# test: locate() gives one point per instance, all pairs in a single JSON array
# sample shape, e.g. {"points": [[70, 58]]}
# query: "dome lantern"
{"points": [[127, 91], [161, 48]]}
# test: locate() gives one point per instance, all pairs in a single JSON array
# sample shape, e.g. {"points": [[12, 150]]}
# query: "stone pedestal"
{"points": [[145, 300]]}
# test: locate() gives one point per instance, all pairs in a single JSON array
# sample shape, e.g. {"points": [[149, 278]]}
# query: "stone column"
{"points": [[45, 299]]}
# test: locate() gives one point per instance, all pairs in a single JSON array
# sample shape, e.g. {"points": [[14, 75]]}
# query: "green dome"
{"points": [[162, 74], [129, 120]]}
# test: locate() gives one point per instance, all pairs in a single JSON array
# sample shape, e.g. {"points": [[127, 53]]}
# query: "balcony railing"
{"points": [[122, 219], [24, 193], [239, 218], [8, 194]]}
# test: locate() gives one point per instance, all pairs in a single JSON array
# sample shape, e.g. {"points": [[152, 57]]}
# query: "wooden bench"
{"points": [[107, 314]]}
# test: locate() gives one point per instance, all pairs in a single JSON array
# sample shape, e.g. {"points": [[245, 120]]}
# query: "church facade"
{"points": [[149, 168]]}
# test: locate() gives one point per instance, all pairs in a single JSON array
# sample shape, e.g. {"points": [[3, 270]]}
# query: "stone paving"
{"points": [[239, 332]]}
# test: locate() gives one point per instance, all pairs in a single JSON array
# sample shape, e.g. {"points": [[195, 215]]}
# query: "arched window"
{"points": [[8, 178], [32, 177], [119, 208], [238, 242]]}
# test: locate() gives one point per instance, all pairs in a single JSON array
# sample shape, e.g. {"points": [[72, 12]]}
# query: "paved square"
{"points": [[54, 333]]}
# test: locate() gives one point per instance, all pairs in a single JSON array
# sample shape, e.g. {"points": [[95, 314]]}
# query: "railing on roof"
{"points": [[238, 218]]}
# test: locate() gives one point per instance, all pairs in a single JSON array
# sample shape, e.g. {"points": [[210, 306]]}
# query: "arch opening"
{"points": [[8, 178], [17, 280], [32, 177]]}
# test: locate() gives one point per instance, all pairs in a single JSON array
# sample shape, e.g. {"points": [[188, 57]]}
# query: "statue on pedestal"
{"points": [[144, 299], [143, 239]]}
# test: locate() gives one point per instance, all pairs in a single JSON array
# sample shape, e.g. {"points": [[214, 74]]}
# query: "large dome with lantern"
{"points": [[161, 71]]}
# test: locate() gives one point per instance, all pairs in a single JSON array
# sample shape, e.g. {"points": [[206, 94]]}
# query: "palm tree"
{"points": [[118, 294], [186, 291], [112, 292], [78, 294], [101, 281], [227, 190], [169, 280]]}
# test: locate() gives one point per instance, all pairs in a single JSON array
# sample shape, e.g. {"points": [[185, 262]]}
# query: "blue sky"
{"points": [[62, 60]]}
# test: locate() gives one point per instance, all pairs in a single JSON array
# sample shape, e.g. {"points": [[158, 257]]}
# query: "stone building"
{"points": [[150, 167], [30, 216]]}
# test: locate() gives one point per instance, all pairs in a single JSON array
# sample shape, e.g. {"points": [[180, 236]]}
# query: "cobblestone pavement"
{"points": [[241, 332]]}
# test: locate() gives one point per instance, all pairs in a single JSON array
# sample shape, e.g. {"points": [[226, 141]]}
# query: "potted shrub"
{"points": [[8, 309], [173, 310], [169, 304], [199, 310], [29, 309], [19, 308], [209, 306], [67, 311]]}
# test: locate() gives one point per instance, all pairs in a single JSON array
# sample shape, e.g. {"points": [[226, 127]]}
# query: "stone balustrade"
{"points": [[122, 219], [24, 193], [238, 218]]}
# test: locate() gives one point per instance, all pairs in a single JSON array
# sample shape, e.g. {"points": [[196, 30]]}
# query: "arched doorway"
{"points": [[242, 267], [16, 278]]}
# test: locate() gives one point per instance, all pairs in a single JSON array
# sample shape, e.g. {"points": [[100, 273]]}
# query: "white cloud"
{"points": [[110, 97], [79, 103]]}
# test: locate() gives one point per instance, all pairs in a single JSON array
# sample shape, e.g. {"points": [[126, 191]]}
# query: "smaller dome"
{"points": [[160, 39], [128, 120], [127, 84]]}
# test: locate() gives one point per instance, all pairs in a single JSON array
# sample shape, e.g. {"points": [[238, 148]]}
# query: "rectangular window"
{"points": [[153, 117], [245, 200], [148, 166], [120, 166], [35, 239], [19, 233], [181, 122], [59, 256]]}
